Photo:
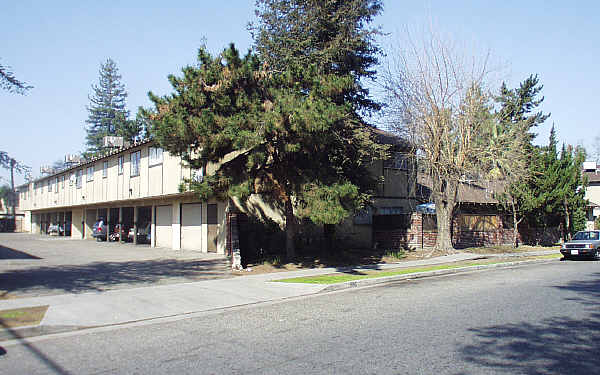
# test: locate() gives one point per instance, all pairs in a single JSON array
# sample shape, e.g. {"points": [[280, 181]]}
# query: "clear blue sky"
{"points": [[58, 46]]}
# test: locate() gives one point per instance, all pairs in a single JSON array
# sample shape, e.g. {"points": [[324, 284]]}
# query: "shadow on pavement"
{"points": [[100, 276], [51, 364], [8, 253], [559, 345]]}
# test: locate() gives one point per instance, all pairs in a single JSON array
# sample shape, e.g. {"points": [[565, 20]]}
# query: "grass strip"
{"points": [[27, 316], [336, 278]]}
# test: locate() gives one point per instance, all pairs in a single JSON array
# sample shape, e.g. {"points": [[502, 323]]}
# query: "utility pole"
{"points": [[10, 163]]}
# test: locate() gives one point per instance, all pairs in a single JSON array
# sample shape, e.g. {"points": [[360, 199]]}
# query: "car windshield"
{"points": [[586, 236]]}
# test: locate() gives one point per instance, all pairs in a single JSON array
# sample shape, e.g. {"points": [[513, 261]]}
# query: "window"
{"points": [[105, 169], [78, 178], [120, 165], [71, 179], [135, 163], [155, 155], [397, 161], [56, 184], [364, 216], [62, 181], [49, 185], [479, 223], [90, 174]]}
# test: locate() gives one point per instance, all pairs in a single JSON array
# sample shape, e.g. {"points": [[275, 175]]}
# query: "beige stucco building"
{"points": [[592, 193], [139, 187]]}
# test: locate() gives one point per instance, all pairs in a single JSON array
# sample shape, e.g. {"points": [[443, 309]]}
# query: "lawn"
{"points": [[27, 316], [335, 278]]}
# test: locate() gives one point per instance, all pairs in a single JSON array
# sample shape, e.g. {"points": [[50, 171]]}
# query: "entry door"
{"points": [[191, 226], [164, 228], [213, 225]]}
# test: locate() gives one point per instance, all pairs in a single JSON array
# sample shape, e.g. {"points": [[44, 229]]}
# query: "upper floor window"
{"points": [[49, 185], [71, 179], [135, 163], [62, 181], [90, 174], [120, 164], [155, 155], [105, 169], [56, 184], [397, 161], [78, 178]]}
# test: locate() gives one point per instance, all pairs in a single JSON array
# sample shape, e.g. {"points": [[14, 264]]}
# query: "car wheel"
{"points": [[566, 257], [597, 254]]}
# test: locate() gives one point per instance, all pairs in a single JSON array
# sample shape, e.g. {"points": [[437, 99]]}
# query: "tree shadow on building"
{"points": [[557, 345]]}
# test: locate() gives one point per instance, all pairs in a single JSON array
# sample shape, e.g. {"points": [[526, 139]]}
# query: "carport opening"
{"points": [[112, 223], [103, 214], [144, 221], [67, 223], [127, 222], [61, 224]]}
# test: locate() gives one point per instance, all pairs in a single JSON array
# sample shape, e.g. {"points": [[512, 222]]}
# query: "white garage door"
{"points": [[191, 226], [164, 229]]}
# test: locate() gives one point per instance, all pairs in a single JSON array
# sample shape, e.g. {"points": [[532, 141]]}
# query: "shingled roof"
{"points": [[481, 192]]}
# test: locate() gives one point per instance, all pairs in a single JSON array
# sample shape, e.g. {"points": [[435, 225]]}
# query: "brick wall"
{"points": [[417, 237]]}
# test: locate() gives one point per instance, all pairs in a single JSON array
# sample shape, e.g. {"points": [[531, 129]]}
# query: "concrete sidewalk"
{"points": [[74, 311]]}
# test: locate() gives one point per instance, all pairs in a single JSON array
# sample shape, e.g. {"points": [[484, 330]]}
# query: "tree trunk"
{"points": [[328, 236], [443, 210], [567, 235], [515, 225], [290, 230]]}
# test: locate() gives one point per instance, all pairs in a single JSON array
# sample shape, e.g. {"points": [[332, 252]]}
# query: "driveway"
{"points": [[34, 265]]}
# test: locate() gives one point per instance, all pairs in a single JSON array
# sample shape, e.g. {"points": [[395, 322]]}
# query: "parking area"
{"points": [[32, 265]]}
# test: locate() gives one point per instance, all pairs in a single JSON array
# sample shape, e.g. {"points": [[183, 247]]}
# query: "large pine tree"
{"points": [[107, 112], [334, 36], [297, 148], [516, 119], [558, 186]]}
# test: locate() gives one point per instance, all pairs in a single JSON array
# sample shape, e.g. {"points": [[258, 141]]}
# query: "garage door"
{"points": [[191, 226], [164, 229]]}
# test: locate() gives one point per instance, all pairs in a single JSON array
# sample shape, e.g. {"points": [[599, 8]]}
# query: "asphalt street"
{"points": [[535, 319]]}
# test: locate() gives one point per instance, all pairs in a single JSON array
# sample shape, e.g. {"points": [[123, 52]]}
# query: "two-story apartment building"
{"points": [[136, 187], [139, 187]]}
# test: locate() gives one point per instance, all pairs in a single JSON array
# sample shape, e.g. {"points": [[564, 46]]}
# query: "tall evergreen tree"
{"points": [[571, 188], [10, 83], [546, 182], [333, 35], [334, 41], [515, 121], [299, 149], [558, 186], [107, 112]]}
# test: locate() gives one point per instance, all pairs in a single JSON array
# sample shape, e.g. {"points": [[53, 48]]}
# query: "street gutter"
{"points": [[426, 274]]}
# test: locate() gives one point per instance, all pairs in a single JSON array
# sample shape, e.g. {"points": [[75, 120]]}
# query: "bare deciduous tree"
{"points": [[437, 98]]}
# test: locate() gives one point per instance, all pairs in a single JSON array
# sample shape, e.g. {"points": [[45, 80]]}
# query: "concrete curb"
{"points": [[422, 275]]}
